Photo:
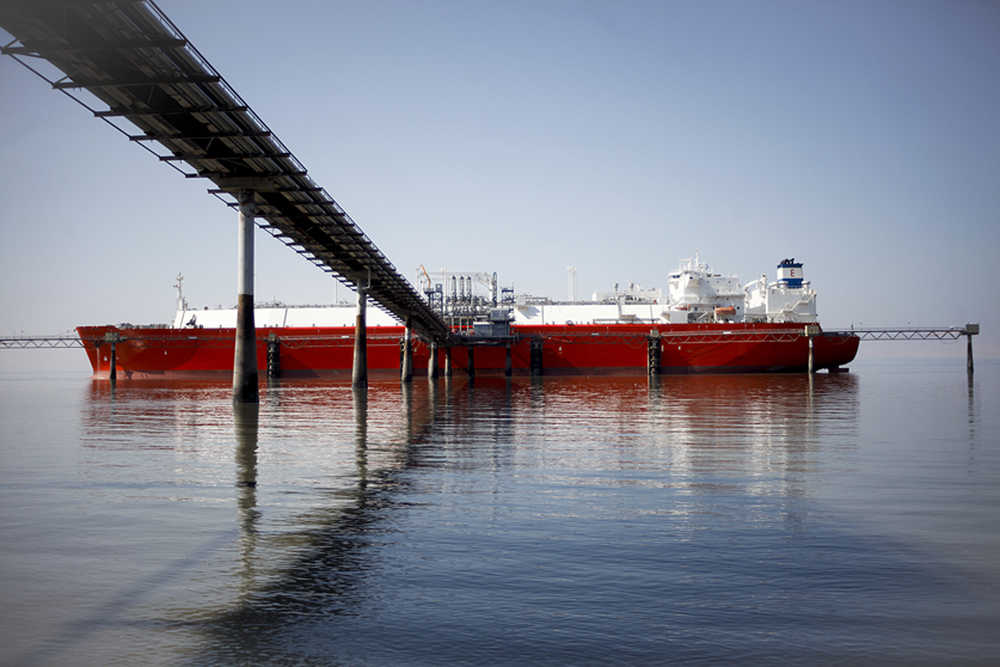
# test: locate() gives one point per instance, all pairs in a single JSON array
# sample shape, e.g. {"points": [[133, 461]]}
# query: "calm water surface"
{"points": [[564, 520]]}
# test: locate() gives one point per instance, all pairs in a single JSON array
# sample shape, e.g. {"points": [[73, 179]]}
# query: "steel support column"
{"points": [[359, 374], [810, 332], [113, 369], [406, 363], [969, 366], [245, 357], [535, 358], [447, 361], [432, 361]]}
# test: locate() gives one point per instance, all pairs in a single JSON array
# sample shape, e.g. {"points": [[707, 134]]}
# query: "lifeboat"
{"points": [[725, 311]]}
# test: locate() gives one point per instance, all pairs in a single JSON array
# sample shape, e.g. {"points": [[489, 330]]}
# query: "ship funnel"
{"points": [[790, 273]]}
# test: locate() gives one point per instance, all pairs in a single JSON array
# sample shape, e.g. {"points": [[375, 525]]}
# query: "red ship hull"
{"points": [[560, 350]]}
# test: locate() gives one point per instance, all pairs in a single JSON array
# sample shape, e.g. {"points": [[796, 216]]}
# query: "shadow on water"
{"points": [[332, 576], [326, 578], [159, 416], [709, 442]]}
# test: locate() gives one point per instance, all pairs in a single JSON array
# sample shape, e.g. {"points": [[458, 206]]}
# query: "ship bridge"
{"points": [[132, 58]]}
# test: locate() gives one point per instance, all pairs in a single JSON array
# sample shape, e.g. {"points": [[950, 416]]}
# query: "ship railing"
{"points": [[639, 337]]}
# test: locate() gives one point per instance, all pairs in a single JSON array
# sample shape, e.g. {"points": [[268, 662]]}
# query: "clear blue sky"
{"points": [[521, 137]]}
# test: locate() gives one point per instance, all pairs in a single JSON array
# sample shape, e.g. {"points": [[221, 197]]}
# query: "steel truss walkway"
{"points": [[924, 333], [39, 342], [688, 337], [132, 58]]}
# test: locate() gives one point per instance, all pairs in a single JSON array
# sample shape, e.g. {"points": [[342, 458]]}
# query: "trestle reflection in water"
{"points": [[556, 520]]}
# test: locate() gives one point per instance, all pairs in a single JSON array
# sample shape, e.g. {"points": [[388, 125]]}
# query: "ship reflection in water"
{"points": [[551, 520]]}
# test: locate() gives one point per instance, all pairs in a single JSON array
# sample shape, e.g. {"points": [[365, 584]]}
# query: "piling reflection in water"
{"points": [[760, 429], [764, 421], [686, 414], [361, 433], [331, 553], [515, 520], [397, 508], [246, 420]]}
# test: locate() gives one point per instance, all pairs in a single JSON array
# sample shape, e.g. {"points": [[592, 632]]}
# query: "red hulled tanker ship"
{"points": [[707, 323]]}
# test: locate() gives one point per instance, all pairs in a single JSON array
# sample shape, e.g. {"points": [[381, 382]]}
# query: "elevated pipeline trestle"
{"points": [[132, 58]]}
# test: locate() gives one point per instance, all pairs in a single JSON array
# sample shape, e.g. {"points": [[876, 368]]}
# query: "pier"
{"points": [[531, 346], [132, 58], [918, 333]]}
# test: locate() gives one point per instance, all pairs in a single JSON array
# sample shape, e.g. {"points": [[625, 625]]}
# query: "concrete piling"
{"points": [[971, 329], [359, 373], [406, 363], [245, 356], [810, 332], [432, 361], [113, 369], [969, 366], [535, 356]]}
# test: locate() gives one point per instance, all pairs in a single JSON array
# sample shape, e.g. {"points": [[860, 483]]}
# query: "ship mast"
{"points": [[181, 301]]}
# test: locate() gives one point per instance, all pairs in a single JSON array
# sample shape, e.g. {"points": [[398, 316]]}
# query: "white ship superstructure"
{"points": [[789, 299], [695, 294], [704, 295]]}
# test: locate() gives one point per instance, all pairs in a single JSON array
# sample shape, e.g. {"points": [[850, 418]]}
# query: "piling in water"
{"points": [[406, 360], [359, 373], [245, 354], [432, 361], [535, 356], [273, 356], [653, 351]]}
